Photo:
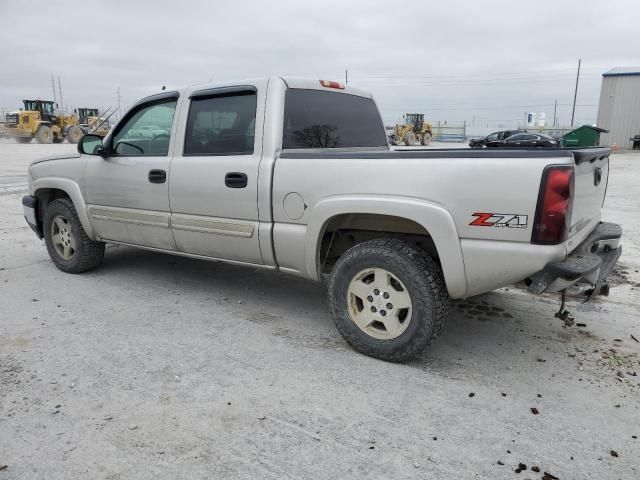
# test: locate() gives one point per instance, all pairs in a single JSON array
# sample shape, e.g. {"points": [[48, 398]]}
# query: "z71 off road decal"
{"points": [[499, 220]]}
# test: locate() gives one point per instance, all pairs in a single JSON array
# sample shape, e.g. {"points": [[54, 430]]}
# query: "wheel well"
{"points": [[344, 231], [45, 196]]}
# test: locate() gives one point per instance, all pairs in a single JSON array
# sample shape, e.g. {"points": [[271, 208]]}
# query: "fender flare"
{"points": [[72, 189], [432, 217]]}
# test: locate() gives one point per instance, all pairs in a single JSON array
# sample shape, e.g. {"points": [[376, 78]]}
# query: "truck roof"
{"points": [[290, 82]]}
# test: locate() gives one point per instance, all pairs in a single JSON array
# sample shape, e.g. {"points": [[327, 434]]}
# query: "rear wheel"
{"points": [[388, 300], [426, 138], [69, 247], [409, 138], [74, 134], [44, 134], [23, 139]]}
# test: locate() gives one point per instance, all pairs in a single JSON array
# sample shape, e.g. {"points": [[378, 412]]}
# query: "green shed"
{"points": [[584, 136]]}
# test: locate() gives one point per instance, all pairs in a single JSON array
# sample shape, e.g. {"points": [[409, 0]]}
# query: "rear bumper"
{"points": [[584, 272], [30, 209]]}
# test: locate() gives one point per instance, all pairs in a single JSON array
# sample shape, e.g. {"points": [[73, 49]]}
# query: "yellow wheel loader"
{"points": [[90, 121], [413, 130], [39, 120]]}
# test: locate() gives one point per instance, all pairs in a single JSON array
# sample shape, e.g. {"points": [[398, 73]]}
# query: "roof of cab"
{"points": [[314, 84], [290, 82]]}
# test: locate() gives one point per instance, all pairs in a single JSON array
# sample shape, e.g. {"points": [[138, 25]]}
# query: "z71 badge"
{"points": [[499, 220]]}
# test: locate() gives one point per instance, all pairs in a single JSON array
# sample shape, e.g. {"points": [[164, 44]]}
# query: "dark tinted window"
{"points": [[221, 125], [318, 119], [514, 138]]}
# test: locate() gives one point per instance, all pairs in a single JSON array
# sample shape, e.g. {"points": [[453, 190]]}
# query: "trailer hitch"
{"points": [[564, 314]]}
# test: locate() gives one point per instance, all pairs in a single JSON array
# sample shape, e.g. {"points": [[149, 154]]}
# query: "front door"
{"points": [[214, 178], [128, 192]]}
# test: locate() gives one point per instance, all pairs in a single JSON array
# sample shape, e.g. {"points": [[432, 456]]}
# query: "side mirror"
{"points": [[92, 145]]}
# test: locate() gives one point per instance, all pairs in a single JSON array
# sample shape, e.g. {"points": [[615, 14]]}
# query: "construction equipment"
{"points": [[91, 121], [39, 120], [414, 129]]}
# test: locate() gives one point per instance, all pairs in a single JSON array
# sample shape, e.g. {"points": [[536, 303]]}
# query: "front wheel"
{"points": [[74, 134], [426, 138], [69, 247], [388, 300], [409, 138], [44, 134]]}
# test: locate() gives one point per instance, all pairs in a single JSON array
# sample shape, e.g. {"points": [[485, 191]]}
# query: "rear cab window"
{"points": [[322, 119]]}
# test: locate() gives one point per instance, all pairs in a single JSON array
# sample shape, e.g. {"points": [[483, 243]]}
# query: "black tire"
{"points": [[409, 139], [23, 139], [44, 134], [74, 134], [424, 282], [87, 254]]}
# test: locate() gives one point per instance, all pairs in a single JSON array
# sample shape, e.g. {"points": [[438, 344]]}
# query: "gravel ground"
{"points": [[155, 367]]}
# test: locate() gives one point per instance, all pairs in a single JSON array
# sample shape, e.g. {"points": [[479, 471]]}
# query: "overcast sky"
{"points": [[486, 62]]}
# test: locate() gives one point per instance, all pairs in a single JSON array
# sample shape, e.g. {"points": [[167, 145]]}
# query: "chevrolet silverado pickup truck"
{"points": [[296, 175]]}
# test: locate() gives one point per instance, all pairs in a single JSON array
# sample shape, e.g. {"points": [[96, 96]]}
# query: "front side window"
{"points": [[221, 125], [147, 131], [321, 119], [492, 137]]}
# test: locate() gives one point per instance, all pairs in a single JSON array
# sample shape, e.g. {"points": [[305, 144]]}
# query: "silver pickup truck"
{"points": [[296, 175]]}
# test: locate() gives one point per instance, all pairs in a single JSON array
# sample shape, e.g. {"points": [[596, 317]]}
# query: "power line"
{"points": [[503, 107], [392, 76]]}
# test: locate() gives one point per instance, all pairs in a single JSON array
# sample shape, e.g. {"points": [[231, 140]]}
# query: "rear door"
{"points": [[214, 175]]}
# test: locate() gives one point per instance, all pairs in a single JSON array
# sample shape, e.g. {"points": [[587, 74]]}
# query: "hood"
{"points": [[56, 157]]}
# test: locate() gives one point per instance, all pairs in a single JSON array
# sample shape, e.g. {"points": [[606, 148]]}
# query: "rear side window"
{"points": [[221, 125], [319, 119]]}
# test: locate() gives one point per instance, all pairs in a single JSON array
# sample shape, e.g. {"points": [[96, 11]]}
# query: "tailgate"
{"points": [[591, 177]]}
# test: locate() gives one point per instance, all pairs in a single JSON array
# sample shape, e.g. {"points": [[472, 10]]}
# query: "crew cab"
{"points": [[296, 175]]}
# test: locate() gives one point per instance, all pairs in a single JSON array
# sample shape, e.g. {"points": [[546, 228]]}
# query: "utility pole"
{"points": [[60, 90], [346, 76], [575, 93], [53, 87], [555, 111], [119, 111]]}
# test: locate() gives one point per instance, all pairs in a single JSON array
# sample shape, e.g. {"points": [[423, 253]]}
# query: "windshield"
{"points": [[47, 108]]}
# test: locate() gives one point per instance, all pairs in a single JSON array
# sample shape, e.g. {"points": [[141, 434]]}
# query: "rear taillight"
{"points": [[332, 84], [555, 200]]}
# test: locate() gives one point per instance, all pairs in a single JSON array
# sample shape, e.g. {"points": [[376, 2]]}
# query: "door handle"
{"points": [[235, 180], [157, 176]]}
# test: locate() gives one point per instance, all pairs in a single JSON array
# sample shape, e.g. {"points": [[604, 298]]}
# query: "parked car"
{"points": [[296, 176], [525, 140], [492, 137]]}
